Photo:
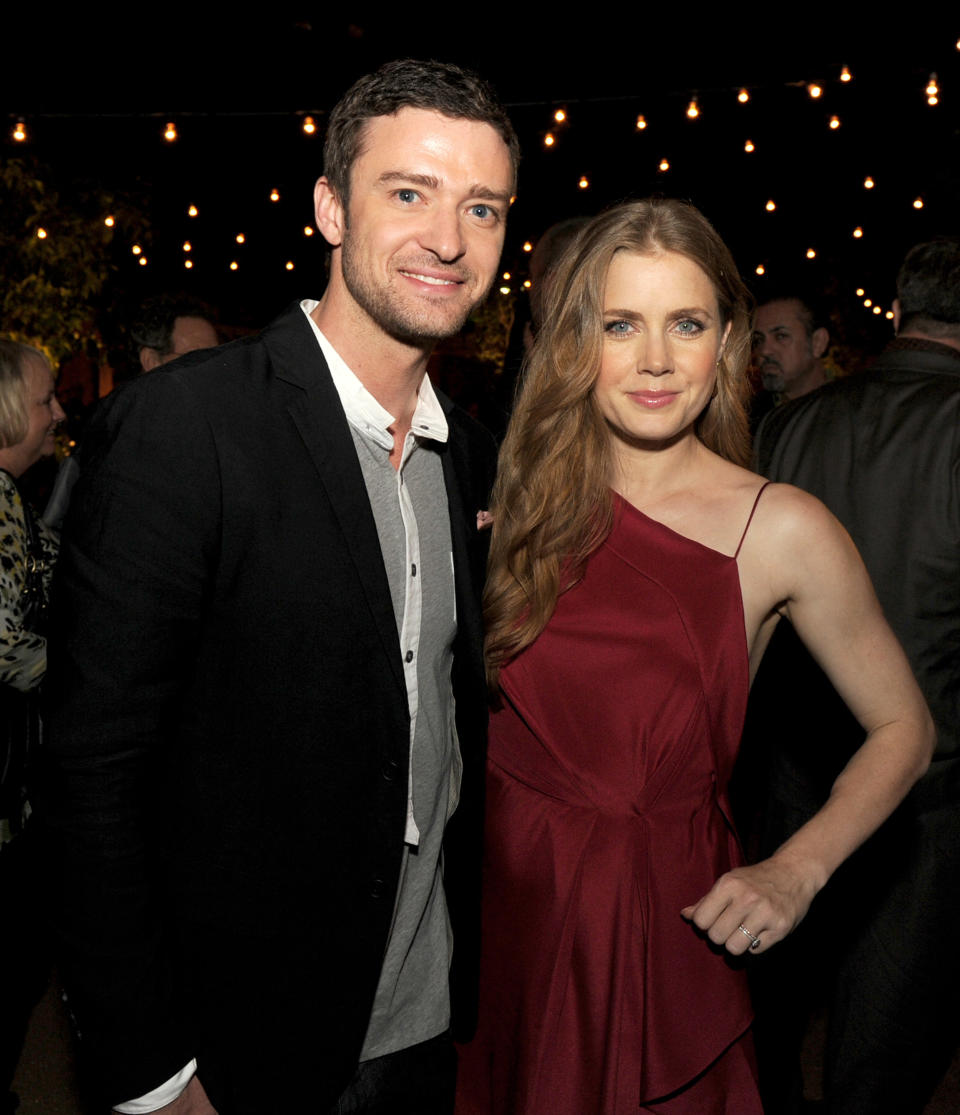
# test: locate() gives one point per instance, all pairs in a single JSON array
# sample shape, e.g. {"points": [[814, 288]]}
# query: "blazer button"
{"points": [[376, 887], [390, 770]]}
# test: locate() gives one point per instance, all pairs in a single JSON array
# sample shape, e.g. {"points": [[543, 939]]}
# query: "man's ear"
{"points": [[819, 342], [897, 312], [149, 359], [329, 213]]}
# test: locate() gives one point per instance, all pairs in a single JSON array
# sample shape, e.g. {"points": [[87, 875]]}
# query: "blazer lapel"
{"points": [[318, 415]]}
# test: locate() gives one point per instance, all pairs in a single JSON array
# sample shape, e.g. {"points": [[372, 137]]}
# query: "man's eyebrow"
{"points": [[486, 193], [426, 180]]}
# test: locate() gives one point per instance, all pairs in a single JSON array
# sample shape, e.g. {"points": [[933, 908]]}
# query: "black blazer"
{"points": [[228, 726]]}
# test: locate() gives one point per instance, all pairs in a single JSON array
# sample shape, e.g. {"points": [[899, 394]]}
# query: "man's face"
{"points": [[782, 348], [422, 234]]}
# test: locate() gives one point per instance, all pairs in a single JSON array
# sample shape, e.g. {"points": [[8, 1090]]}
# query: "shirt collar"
{"points": [[363, 411]]}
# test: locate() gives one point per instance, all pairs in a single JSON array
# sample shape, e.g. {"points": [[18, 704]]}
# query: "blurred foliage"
{"points": [[491, 324], [54, 287]]}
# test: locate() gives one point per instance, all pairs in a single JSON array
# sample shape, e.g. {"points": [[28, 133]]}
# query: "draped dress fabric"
{"points": [[606, 815]]}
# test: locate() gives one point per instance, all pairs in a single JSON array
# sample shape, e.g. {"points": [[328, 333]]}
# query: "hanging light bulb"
{"points": [[507, 276], [136, 249], [693, 109], [234, 265], [188, 263], [834, 122], [860, 292], [868, 302], [814, 90], [877, 310], [308, 230], [664, 164], [142, 261], [170, 132], [41, 234], [845, 74], [560, 116], [289, 265], [192, 211], [932, 90], [889, 315], [109, 222], [641, 123], [527, 246], [857, 233], [918, 203], [240, 238], [811, 253], [770, 206], [20, 131], [743, 96], [504, 290], [187, 246], [584, 182], [868, 183], [748, 146], [527, 284], [549, 139], [760, 269], [274, 195], [309, 126]]}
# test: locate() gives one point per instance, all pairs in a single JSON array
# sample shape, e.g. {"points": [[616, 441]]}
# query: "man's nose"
{"points": [[443, 234]]}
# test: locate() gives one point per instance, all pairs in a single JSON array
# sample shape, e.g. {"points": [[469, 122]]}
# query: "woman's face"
{"points": [[662, 338], [44, 413]]}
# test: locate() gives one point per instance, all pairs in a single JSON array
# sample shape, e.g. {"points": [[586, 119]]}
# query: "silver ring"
{"points": [[754, 941]]}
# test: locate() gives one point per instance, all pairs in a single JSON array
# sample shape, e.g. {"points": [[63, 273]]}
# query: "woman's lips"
{"points": [[653, 400]]}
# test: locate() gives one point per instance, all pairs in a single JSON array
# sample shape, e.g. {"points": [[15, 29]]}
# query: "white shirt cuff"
{"points": [[160, 1097]]}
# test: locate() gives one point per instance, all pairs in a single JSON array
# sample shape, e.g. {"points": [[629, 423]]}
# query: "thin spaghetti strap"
{"points": [[763, 488]]}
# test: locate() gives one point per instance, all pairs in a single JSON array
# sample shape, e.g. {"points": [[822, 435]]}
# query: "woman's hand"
{"points": [[752, 908]]}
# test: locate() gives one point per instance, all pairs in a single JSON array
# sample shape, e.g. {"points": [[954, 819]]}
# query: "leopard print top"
{"points": [[23, 655]]}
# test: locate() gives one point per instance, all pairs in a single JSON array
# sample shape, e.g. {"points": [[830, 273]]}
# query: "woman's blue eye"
{"points": [[620, 327], [689, 326]]}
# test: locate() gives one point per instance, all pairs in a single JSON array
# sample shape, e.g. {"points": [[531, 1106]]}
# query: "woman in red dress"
{"points": [[637, 573]]}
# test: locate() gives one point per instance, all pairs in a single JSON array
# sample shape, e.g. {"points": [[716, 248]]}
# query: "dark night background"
{"points": [[96, 95]]}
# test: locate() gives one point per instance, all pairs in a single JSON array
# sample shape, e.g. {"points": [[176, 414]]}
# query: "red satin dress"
{"points": [[606, 815]]}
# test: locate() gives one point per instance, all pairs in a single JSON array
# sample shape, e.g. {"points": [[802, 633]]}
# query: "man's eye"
{"points": [[483, 212], [407, 196]]}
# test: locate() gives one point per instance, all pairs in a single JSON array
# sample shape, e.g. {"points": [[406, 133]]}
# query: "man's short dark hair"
{"points": [[156, 318], [408, 83], [813, 313], [928, 288]]}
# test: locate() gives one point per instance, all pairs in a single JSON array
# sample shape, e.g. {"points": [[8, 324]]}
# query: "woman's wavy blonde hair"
{"points": [[551, 503]]}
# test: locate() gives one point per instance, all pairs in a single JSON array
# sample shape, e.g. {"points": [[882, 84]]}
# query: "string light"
{"points": [[857, 233], [845, 74], [770, 206], [309, 126], [811, 253], [932, 90], [641, 123], [308, 230], [584, 182], [188, 263], [19, 131], [187, 246], [560, 116], [743, 96], [193, 211], [549, 139], [170, 132], [41, 234], [814, 90], [136, 249], [289, 265], [234, 265], [240, 238], [889, 315], [109, 222], [274, 195], [868, 183], [748, 146], [504, 290], [918, 203], [834, 122], [868, 302], [527, 284], [142, 261], [693, 109], [527, 246], [506, 275], [860, 292], [877, 310], [664, 165], [760, 269]]}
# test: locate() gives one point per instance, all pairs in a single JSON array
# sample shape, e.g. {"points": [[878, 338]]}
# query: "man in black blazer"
{"points": [[266, 671], [882, 450]]}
